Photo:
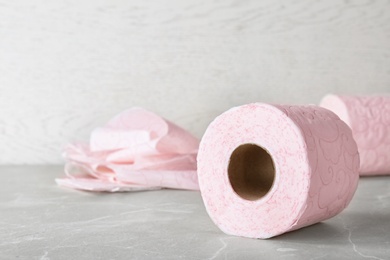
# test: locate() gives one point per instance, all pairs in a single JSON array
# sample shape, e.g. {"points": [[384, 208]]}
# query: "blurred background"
{"points": [[68, 66]]}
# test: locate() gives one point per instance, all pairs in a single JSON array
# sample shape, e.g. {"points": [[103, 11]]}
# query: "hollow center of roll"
{"points": [[251, 171]]}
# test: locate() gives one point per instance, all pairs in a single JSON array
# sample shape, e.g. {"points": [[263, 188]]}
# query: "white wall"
{"points": [[67, 66]]}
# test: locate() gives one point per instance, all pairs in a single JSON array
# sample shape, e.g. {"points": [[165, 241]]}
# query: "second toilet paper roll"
{"points": [[268, 169], [369, 119]]}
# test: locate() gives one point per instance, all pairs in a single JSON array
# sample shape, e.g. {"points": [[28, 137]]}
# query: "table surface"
{"points": [[39, 220]]}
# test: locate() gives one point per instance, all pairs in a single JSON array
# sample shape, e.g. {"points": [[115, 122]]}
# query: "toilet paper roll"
{"points": [[268, 169], [369, 119]]}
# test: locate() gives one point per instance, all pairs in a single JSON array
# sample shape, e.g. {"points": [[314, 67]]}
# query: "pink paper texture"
{"points": [[136, 150], [369, 119], [315, 162]]}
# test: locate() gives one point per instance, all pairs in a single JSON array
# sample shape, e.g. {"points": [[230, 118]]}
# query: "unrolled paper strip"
{"points": [[268, 169], [369, 119], [136, 150]]}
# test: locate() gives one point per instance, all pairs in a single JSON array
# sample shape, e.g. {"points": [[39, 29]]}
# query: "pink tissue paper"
{"points": [[135, 150], [268, 169], [369, 119]]}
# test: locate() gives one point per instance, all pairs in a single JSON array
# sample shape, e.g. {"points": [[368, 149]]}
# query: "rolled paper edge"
{"points": [[336, 104]]}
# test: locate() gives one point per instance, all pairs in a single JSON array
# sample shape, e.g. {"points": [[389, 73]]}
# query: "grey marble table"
{"points": [[39, 220]]}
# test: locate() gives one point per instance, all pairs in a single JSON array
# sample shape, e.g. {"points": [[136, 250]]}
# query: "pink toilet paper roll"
{"points": [[369, 119], [268, 169]]}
